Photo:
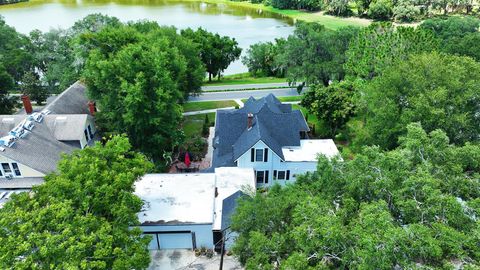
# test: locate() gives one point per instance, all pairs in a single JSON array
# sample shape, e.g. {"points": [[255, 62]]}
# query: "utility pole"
{"points": [[222, 251]]}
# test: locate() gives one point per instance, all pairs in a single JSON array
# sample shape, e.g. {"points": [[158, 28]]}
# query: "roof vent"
{"points": [[8, 140], [18, 131], [46, 112], [37, 117], [28, 125]]}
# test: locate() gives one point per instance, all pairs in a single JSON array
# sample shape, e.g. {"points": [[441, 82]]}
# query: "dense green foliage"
{"points": [[15, 61], [261, 58], [398, 10], [314, 54], [5, 2], [382, 45], [415, 207], [311, 55], [81, 217], [458, 35], [440, 91], [137, 74], [333, 104], [216, 52]]}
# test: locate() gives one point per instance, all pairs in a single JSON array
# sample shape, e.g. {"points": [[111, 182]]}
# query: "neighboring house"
{"points": [[31, 145], [190, 211], [269, 137]]}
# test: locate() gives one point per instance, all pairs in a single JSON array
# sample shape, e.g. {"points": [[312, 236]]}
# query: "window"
{"points": [[16, 169], [262, 177], [258, 154], [90, 132], [6, 168], [281, 175], [86, 135]]}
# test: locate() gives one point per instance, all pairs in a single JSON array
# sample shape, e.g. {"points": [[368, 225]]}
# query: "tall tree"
{"points": [[382, 45], [333, 104], [412, 207], [216, 52], [438, 90], [458, 35], [315, 55], [32, 87], [82, 217], [260, 58], [6, 84], [135, 79]]}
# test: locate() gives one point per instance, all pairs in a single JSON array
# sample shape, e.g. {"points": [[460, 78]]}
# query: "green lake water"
{"points": [[246, 25]]}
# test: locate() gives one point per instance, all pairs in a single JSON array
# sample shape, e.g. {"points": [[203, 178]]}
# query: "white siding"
{"points": [[274, 163], [24, 170]]}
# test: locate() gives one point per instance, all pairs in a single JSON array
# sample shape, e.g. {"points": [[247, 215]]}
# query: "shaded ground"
{"points": [[184, 259]]}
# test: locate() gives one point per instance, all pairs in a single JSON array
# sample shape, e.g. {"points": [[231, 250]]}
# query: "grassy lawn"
{"points": [[243, 78], [207, 105], [292, 98], [192, 124]]}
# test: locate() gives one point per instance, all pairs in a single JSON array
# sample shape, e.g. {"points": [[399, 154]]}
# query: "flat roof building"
{"points": [[186, 210]]}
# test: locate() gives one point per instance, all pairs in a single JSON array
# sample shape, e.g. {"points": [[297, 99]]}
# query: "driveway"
{"points": [[279, 92], [184, 259]]}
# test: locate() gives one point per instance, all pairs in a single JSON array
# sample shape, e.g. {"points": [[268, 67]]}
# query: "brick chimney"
{"points": [[249, 120], [92, 107], [27, 104]]}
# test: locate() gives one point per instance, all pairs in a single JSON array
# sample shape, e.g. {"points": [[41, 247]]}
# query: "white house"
{"points": [[31, 144], [269, 137], [187, 211]]}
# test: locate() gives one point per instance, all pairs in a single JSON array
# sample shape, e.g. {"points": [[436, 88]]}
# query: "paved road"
{"points": [[282, 92], [244, 86]]}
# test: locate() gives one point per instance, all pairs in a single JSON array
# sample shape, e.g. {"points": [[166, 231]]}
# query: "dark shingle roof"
{"points": [[71, 101], [229, 205], [274, 123]]}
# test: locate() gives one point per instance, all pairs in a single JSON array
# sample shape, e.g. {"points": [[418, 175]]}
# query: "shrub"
{"points": [[380, 10], [405, 12]]}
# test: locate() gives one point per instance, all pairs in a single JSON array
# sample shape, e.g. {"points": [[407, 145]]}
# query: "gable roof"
{"points": [[41, 149], [73, 100], [58, 133], [274, 123]]}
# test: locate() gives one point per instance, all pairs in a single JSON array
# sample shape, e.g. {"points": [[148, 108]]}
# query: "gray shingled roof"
{"points": [[71, 101], [276, 124], [229, 205], [39, 150]]}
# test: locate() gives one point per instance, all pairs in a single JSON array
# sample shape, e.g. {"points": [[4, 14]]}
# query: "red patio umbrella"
{"points": [[187, 159]]}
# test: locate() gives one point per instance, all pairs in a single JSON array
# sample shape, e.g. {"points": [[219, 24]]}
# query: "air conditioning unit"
{"points": [[9, 176]]}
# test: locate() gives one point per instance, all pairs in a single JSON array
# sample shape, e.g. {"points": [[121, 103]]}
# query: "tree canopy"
{"points": [[333, 104], [382, 45], [216, 52], [458, 35], [413, 207], [314, 54], [438, 90], [136, 73], [81, 217]]}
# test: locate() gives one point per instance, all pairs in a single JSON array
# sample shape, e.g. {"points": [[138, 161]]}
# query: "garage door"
{"points": [[171, 240], [175, 240]]}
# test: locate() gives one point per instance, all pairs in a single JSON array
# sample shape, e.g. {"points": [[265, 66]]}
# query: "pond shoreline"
{"points": [[330, 22]]}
